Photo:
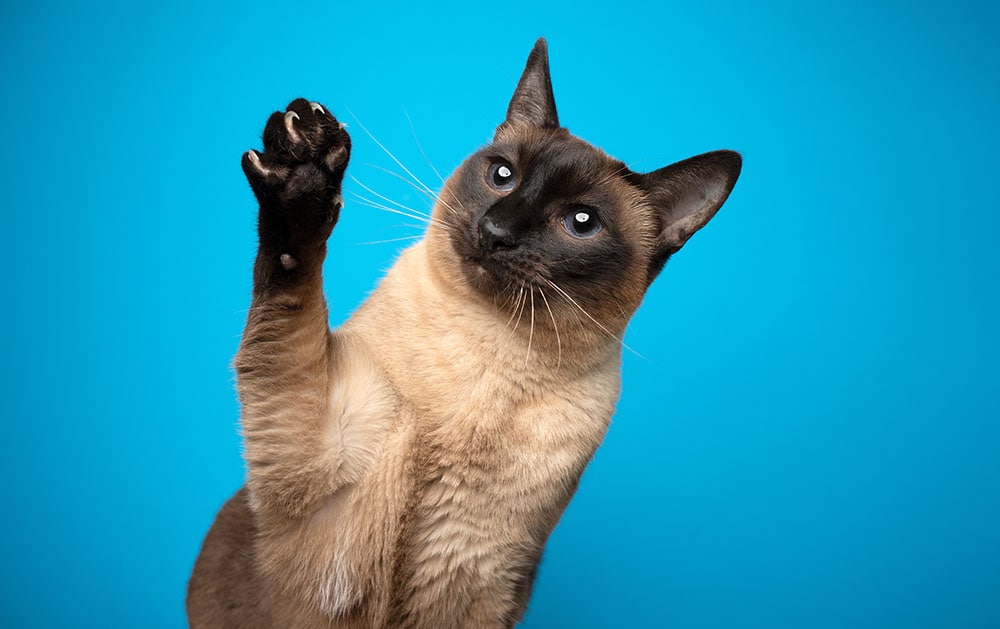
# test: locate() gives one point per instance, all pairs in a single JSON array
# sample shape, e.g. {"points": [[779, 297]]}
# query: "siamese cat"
{"points": [[407, 469]]}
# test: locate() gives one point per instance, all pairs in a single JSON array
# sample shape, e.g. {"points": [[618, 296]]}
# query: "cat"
{"points": [[407, 469]]}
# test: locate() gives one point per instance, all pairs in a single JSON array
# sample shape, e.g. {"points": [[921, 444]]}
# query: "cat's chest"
{"points": [[475, 516], [499, 474], [490, 490]]}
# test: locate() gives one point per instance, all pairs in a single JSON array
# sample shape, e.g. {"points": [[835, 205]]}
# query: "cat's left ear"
{"points": [[533, 102], [686, 195]]}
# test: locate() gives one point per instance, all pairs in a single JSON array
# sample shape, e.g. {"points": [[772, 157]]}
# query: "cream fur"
{"points": [[407, 469]]}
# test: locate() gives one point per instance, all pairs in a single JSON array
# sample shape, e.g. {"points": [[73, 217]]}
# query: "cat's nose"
{"points": [[494, 237]]}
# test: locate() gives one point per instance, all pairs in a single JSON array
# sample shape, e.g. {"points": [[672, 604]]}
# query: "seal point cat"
{"points": [[407, 469]]}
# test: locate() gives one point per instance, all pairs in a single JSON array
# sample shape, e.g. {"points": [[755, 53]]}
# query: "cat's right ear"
{"points": [[533, 102]]}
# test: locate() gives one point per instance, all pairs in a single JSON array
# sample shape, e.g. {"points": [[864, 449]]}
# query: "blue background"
{"points": [[811, 437]]}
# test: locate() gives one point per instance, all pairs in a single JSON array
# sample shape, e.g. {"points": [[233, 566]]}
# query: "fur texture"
{"points": [[407, 469]]}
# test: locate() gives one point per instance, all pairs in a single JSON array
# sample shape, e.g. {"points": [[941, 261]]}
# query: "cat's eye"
{"points": [[582, 222], [502, 176]]}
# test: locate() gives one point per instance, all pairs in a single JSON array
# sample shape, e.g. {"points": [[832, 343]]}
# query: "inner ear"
{"points": [[686, 195], [533, 102]]}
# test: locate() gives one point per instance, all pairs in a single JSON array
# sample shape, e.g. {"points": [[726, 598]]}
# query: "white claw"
{"points": [[317, 108], [290, 126], [255, 160], [288, 262], [343, 125]]}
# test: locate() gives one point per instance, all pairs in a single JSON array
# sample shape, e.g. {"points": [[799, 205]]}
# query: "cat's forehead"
{"points": [[548, 151]]}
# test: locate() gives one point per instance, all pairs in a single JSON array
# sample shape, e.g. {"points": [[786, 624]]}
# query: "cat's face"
{"points": [[541, 209], [540, 214]]}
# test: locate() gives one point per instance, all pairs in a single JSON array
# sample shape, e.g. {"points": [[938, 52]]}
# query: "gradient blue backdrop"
{"points": [[810, 438]]}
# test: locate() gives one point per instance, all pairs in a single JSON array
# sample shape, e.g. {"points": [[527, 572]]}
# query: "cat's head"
{"points": [[540, 214]]}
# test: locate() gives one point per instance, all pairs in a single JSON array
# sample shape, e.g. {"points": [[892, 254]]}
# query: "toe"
{"points": [[302, 108], [336, 157], [252, 162], [293, 135]]}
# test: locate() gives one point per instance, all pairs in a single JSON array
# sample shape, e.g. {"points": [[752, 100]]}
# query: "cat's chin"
{"points": [[487, 278], [480, 277]]}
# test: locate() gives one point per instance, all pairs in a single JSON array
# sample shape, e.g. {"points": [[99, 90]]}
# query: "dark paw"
{"points": [[297, 178]]}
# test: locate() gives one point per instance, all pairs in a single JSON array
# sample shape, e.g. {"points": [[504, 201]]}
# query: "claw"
{"points": [[290, 126], [255, 161], [317, 108]]}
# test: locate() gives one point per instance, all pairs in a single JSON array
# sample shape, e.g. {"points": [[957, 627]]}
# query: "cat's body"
{"points": [[407, 469]]}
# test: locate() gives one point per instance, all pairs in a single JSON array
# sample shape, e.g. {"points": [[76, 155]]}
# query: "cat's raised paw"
{"points": [[304, 134], [298, 175]]}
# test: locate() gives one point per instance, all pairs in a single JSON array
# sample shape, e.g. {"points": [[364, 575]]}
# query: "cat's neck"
{"points": [[440, 341]]}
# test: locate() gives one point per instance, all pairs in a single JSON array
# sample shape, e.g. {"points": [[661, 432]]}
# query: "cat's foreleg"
{"points": [[283, 366]]}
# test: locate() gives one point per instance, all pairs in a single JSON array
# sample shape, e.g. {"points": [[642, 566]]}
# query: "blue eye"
{"points": [[582, 223], [502, 176]]}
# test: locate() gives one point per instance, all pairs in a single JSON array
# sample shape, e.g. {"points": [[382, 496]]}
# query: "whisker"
{"points": [[414, 132], [448, 206], [531, 331], [555, 326], [517, 302], [510, 291], [385, 198], [378, 206], [386, 208], [388, 152], [622, 311], [388, 240], [520, 312], [571, 258], [596, 322], [434, 198], [426, 190], [429, 195]]}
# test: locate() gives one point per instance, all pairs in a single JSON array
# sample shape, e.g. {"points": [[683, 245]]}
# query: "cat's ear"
{"points": [[533, 103], [685, 196]]}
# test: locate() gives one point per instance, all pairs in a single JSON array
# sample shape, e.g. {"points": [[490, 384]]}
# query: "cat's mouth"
{"points": [[483, 270], [492, 275], [492, 268]]}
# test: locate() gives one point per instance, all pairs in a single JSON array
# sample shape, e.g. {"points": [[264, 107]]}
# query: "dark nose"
{"points": [[494, 237]]}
